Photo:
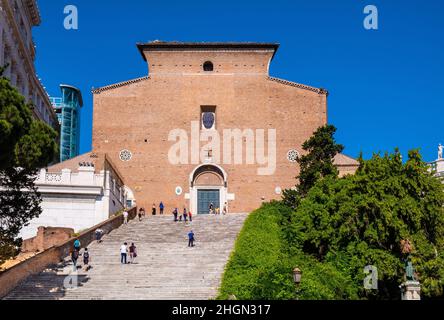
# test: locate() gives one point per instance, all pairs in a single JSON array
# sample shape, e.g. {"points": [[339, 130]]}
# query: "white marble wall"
{"points": [[77, 200], [439, 165]]}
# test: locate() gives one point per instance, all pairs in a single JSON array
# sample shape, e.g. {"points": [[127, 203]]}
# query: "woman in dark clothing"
{"points": [[132, 252], [86, 259], [175, 213], [74, 257]]}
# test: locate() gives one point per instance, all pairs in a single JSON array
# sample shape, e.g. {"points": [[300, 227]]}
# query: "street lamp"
{"points": [[297, 275]]}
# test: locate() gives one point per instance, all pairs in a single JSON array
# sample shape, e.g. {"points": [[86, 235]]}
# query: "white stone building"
{"points": [[17, 49], [437, 166], [79, 193]]}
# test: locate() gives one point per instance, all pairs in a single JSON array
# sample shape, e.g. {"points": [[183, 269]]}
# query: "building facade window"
{"points": [[208, 66], [208, 117]]}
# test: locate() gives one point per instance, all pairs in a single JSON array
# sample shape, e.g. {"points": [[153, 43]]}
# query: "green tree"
{"points": [[317, 163], [26, 144], [360, 220]]}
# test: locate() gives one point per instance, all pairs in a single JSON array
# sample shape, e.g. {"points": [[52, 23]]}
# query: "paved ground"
{"points": [[165, 268]]}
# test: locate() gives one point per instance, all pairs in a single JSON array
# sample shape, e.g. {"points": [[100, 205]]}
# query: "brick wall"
{"points": [[139, 116], [46, 238]]}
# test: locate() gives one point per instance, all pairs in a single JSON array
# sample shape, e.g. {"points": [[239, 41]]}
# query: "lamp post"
{"points": [[297, 275]]}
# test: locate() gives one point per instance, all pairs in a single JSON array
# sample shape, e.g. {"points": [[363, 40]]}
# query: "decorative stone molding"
{"points": [[118, 85], [292, 155], [411, 290], [300, 86]]}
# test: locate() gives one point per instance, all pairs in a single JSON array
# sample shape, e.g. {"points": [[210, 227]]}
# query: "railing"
{"points": [[86, 178], [53, 177], [56, 102]]}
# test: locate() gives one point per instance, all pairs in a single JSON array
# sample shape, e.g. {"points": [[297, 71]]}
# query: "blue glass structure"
{"points": [[67, 109]]}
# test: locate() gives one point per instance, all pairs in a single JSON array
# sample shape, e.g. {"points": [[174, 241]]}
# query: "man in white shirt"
{"points": [[123, 253], [125, 217]]}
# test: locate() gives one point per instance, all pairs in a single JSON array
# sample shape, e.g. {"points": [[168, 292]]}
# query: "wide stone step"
{"points": [[165, 269]]}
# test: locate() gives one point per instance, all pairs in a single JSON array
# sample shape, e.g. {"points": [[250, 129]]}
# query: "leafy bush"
{"points": [[262, 263]]}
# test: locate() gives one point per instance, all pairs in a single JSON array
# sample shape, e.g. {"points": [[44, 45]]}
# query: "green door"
{"points": [[204, 198]]}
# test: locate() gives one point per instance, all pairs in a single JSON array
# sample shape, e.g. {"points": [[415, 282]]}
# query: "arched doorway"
{"points": [[208, 184]]}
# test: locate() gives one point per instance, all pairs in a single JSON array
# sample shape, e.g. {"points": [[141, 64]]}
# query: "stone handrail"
{"points": [[12, 277]]}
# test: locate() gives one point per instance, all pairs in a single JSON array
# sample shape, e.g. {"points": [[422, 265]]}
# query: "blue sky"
{"points": [[385, 85]]}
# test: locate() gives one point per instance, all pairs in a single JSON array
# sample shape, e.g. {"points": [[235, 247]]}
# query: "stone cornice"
{"points": [[298, 85], [207, 46], [70, 189], [118, 85]]}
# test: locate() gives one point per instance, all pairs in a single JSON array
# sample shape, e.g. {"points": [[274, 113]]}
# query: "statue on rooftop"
{"points": [[440, 151]]}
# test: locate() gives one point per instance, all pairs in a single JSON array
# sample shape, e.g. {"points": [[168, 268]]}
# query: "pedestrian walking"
{"points": [[132, 252], [86, 259], [140, 214], [191, 239], [161, 207], [190, 216], [99, 234], [77, 245], [175, 213], [154, 209], [217, 211], [211, 208], [143, 212], [123, 253], [74, 257], [225, 210], [185, 214], [125, 217]]}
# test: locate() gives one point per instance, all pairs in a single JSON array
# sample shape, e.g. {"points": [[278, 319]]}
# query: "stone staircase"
{"points": [[165, 268]]}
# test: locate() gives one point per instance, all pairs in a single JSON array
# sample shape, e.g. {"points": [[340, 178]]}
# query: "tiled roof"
{"points": [[343, 160], [298, 85], [120, 84]]}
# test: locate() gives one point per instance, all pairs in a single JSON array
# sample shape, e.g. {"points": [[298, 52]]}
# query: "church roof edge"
{"points": [[156, 45]]}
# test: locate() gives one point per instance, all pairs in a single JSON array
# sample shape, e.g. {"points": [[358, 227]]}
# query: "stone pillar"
{"points": [[411, 290], [41, 178], [86, 176], [66, 176]]}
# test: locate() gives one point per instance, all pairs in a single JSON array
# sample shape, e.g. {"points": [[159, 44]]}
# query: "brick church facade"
{"points": [[196, 89]]}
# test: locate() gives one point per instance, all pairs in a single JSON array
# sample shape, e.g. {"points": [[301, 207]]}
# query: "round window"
{"points": [[292, 155], [125, 155]]}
